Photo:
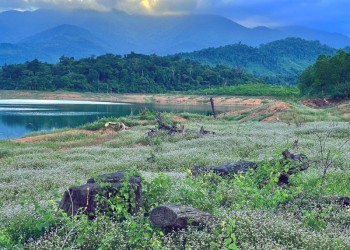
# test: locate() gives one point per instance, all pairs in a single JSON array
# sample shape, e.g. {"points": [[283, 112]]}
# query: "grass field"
{"points": [[249, 214]]}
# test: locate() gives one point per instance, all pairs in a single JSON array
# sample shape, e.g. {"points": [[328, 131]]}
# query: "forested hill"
{"points": [[133, 73], [278, 62], [328, 77]]}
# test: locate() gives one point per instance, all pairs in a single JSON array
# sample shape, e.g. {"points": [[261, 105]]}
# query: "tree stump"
{"points": [[174, 217], [298, 162], [83, 198]]}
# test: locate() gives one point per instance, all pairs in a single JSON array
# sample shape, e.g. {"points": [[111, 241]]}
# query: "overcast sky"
{"points": [[329, 15]]}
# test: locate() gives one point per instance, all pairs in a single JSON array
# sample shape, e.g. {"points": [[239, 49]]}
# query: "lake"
{"points": [[19, 117]]}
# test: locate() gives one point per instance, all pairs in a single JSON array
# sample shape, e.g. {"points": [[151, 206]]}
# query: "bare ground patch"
{"points": [[102, 135]]}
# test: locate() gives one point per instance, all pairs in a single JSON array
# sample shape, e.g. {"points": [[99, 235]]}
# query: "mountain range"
{"points": [[49, 34]]}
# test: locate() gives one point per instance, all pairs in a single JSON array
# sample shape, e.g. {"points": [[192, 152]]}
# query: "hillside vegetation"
{"points": [[132, 73], [278, 62], [328, 77]]}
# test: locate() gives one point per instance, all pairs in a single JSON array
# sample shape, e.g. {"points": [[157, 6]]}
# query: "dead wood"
{"points": [[176, 217]]}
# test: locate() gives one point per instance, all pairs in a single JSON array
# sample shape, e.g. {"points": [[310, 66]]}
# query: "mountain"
{"points": [[277, 62], [49, 45], [67, 40], [335, 40], [80, 33]]}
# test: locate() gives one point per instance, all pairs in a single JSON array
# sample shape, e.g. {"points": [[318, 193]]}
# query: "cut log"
{"points": [[83, 198], [174, 217], [228, 168]]}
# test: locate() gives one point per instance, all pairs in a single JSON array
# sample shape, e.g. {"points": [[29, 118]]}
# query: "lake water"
{"points": [[21, 117]]}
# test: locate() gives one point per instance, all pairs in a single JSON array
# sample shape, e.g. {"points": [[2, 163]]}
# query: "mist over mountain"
{"points": [[49, 34]]}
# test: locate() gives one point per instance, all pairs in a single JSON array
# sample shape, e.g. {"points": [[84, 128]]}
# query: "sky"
{"points": [[328, 15]]}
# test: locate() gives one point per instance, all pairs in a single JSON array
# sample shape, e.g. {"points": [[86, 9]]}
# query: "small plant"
{"points": [[316, 219], [328, 156], [229, 230]]}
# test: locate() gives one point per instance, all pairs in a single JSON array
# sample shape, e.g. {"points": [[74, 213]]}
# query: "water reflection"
{"points": [[21, 117]]}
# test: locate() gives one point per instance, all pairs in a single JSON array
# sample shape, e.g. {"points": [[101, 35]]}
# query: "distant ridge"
{"points": [[276, 62], [82, 33]]}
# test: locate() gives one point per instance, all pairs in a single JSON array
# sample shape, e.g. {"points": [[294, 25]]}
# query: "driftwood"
{"points": [[115, 126], [174, 217], [83, 198], [228, 168], [171, 130]]}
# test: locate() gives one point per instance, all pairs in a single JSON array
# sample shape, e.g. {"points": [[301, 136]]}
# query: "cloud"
{"points": [[330, 15], [132, 6]]}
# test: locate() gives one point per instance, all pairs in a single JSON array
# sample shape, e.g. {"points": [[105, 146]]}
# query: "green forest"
{"points": [[279, 62], [132, 73], [329, 76]]}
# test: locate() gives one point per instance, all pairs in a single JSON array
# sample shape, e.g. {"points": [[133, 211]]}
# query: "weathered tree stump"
{"points": [[174, 217], [228, 168], [297, 162], [83, 198]]}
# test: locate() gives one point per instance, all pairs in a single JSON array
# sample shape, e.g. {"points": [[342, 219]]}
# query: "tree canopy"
{"points": [[132, 73], [278, 62], [328, 77]]}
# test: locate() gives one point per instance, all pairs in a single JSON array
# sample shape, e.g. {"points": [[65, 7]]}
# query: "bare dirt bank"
{"points": [[135, 98]]}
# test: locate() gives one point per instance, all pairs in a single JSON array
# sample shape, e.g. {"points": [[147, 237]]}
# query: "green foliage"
{"points": [[253, 90], [315, 219], [133, 73], [278, 62], [32, 226], [230, 241], [328, 77], [154, 191]]}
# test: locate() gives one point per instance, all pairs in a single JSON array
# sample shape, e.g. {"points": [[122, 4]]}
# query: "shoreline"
{"points": [[177, 99]]}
